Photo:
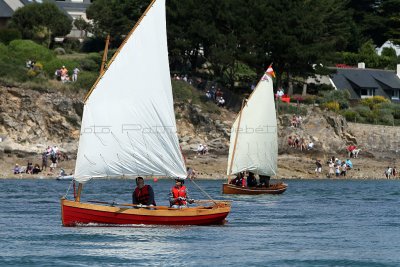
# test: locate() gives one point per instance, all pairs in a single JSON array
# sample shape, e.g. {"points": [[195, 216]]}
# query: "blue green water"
{"points": [[314, 223]]}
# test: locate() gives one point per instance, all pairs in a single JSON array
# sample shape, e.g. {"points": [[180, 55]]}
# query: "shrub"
{"points": [[339, 96], [332, 105], [8, 35], [85, 80], [88, 64], [372, 101], [285, 108], [59, 51], [182, 91], [22, 50], [364, 111], [351, 115], [71, 44]]}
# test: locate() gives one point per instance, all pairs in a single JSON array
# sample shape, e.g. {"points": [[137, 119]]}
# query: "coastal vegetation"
{"points": [[229, 43]]}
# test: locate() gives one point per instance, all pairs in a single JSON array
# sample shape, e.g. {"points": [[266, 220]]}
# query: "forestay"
{"points": [[128, 124], [256, 137]]}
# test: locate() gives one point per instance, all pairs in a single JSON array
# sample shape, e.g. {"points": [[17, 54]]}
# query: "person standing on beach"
{"points": [[318, 168]]}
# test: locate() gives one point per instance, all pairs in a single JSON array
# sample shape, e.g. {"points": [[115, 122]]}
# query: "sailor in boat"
{"points": [[264, 180], [178, 196], [143, 194], [251, 180], [239, 180]]}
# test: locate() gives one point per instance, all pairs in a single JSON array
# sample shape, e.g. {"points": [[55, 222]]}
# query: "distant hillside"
{"points": [[30, 120]]}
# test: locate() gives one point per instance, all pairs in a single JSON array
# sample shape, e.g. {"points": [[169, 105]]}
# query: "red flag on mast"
{"points": [[270, 71]]}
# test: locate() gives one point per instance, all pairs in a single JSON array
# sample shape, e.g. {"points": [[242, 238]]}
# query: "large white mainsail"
{"points": [[128, 125], [254, 143]]}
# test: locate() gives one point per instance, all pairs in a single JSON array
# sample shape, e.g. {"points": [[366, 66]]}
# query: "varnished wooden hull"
{"points": [[273, 189], [76, 213]]}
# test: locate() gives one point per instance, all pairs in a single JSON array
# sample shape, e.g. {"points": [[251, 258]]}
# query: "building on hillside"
{"points": [[362, 82], [7, 9], [73, 8], [389, 44]]}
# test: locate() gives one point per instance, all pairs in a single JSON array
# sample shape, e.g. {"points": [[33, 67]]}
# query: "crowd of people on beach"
{"points": [[52, 153]]}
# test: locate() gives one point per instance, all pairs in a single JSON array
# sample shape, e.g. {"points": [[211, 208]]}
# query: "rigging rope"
{"points": [[204, 192]]}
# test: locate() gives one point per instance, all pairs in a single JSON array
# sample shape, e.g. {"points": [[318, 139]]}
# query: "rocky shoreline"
{"points": [[214, 167]]}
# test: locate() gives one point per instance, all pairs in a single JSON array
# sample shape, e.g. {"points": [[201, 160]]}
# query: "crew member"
{"points": [[143, 194], [178, 197]]}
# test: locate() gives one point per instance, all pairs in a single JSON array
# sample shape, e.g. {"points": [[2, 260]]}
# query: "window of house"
{"points": [[367, 92], [395, 94]]}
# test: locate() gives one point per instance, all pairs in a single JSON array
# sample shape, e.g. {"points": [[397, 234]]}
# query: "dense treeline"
{"points": [[233, 41]]}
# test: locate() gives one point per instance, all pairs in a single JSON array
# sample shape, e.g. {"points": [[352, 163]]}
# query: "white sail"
{"points": [[128, 124], [254, 143]]}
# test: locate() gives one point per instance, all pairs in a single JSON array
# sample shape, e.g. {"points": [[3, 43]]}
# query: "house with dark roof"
{"points": [[7, 9], [363, 83], [73, 8]]}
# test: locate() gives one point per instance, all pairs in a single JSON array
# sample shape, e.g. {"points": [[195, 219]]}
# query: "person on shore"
{"points": [[331, 166], [318, 168], [388, 172], [36, 169], [17, 169], [251, 180], [44, 161], [179, 197], [143, 194], [191, 173], [344, 169], [394, 172]]}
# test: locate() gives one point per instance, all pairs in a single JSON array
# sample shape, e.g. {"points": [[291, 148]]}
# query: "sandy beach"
{"points": [[213, 166]]}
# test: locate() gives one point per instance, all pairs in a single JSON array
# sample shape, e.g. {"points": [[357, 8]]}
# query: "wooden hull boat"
{"points": [[272, 189], [75, 213]]}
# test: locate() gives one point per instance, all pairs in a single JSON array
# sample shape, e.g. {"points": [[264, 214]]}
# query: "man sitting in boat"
{"points": [[264, 180], [239, 180], [143, 194], [251, 180], [178, 197]]}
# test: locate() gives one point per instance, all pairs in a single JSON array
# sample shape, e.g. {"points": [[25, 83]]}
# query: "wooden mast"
{"points": [[78, 195], [103, 62], [119, 49]]}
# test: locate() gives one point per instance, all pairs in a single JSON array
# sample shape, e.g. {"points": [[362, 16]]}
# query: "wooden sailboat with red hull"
{"points": [[254, 141], [76, 213], [128, 129]]}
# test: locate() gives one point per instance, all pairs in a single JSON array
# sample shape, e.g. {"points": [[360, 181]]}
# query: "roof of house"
{"points": [[5, 10], [352, 78]]}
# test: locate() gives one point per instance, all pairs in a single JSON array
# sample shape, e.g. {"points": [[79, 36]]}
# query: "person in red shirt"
{"points": [[178, 197], [143, 194]]}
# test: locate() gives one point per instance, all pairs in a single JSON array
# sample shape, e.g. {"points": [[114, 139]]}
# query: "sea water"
{"points": [[314, 223]]}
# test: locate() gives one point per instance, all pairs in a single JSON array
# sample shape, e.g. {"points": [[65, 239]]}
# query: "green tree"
{"points": [[296, 34], [115, 17], [41, 22]]}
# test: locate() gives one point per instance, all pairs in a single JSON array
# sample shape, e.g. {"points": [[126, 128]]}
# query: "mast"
{"points": [[103, 62]]}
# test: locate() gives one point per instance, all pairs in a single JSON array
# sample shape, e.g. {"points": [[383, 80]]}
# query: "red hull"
{"points": [[273, 189], [74, 213]]}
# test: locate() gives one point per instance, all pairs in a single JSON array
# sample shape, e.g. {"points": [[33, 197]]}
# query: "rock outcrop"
{"points": [[31, 120]]}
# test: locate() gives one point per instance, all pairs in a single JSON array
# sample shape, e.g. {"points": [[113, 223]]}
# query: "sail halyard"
{"points": [[256, 136], [128, 125]]}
